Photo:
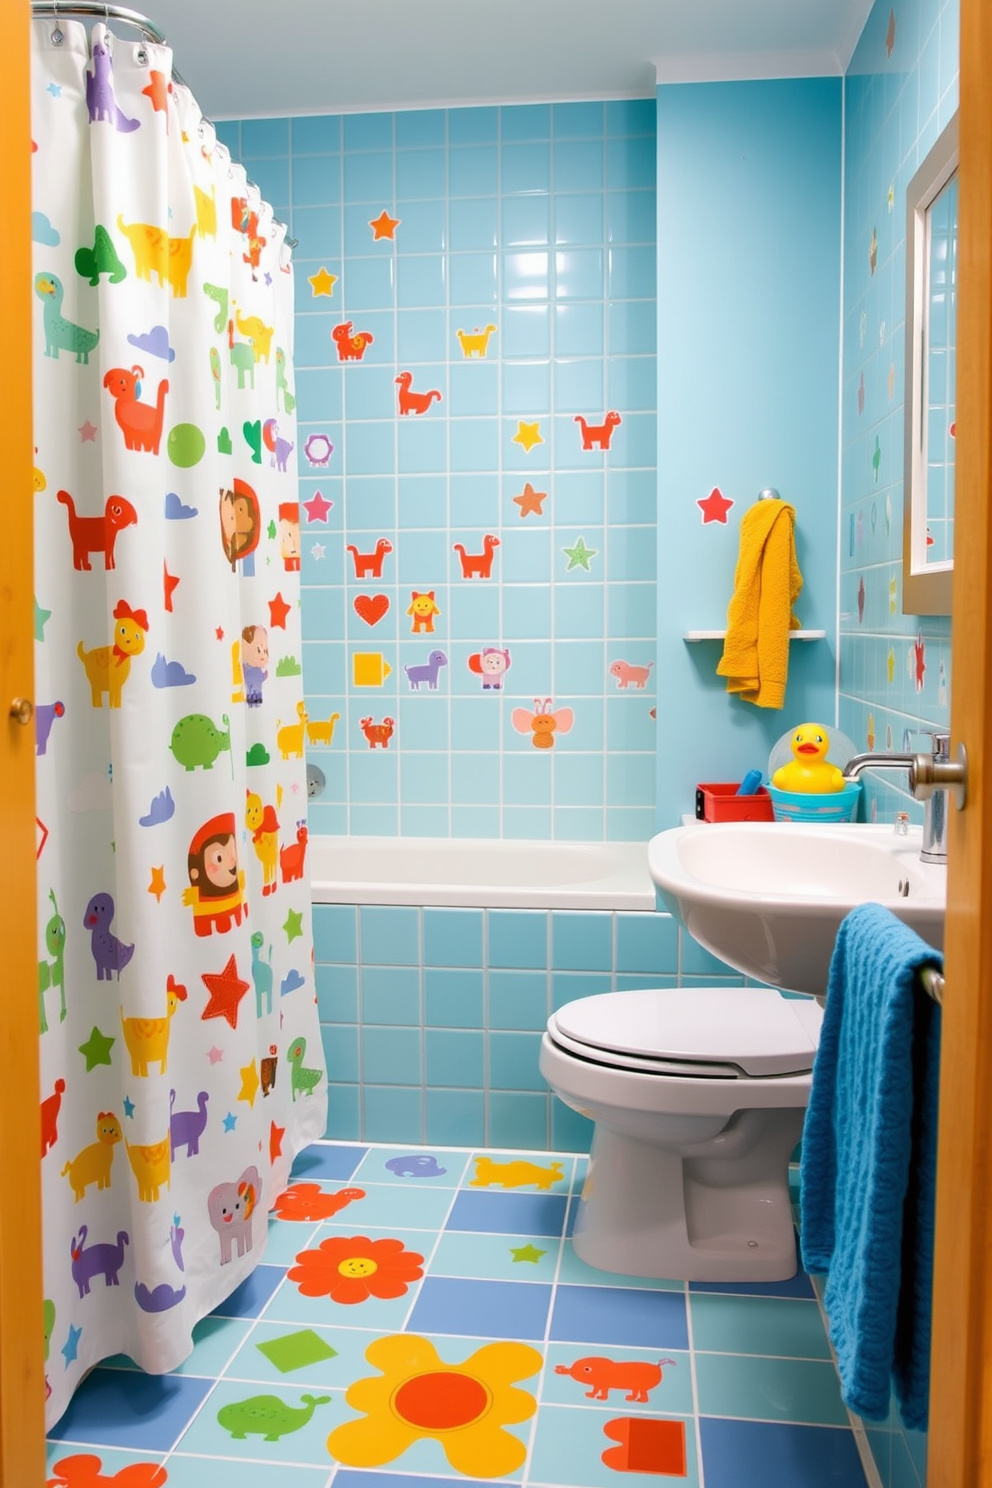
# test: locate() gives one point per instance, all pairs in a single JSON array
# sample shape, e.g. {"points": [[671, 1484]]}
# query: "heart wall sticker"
{"points": [[371, 607]]}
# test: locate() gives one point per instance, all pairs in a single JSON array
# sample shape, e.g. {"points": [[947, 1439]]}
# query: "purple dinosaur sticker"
{"points": [[109, 953], [91, 1261], [100, 100], [186, 1127]]}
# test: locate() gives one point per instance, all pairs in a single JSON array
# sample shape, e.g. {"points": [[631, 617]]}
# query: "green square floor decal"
{"points": [[295, 1350]]}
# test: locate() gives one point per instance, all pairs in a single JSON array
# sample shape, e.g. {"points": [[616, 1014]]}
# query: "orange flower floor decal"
{"points": [[352, 1268], [463, 1406]]}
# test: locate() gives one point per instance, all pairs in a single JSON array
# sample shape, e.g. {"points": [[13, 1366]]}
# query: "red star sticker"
{"points": [[226, 990], [919, 658], [317, 508], [278, 610], [219, 632], [384, 226], [276, 1134], [170, 586], [157, 90], [890, 35], [715, 507], [530, 500]]}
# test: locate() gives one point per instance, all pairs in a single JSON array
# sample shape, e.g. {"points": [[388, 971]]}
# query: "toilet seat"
{"points": [[705, 1033]]}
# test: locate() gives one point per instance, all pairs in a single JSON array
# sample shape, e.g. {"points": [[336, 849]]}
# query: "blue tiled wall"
{"points": [[749, 243], [895, 669], [540, 221], [432, 1018]]}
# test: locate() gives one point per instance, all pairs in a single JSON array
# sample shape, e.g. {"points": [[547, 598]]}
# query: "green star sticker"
{"points": [[271, 529], [293, 926], [527, 1253], [96, 1049], [40, 616], [579, 556]]}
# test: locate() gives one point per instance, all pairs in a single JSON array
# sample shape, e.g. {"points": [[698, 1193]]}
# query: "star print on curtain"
{"points": [[181, 1060]]}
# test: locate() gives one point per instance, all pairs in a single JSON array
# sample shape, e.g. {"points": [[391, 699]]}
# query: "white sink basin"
{"points": [[768, 897]]}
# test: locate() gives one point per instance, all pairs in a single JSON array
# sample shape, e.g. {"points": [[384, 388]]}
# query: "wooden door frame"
{"points": [[22, 1375], [960, 1445]]}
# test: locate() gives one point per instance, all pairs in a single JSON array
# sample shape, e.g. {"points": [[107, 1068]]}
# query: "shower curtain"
{"points": [[181, 1060]]}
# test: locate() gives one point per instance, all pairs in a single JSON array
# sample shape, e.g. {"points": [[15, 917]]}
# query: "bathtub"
{"points": [[480, 873]]}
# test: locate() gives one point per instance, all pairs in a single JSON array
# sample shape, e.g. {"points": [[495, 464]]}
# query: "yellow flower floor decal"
{"points": [[462, 1406]]}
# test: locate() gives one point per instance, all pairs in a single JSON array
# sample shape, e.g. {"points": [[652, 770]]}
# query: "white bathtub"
{"points": [[480, 873]]}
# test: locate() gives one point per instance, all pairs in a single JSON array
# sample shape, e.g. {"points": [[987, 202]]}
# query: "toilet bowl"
{"points": [[698, 1098]]}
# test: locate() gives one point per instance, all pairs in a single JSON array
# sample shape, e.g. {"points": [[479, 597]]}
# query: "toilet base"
{"points": [[693, 1216]]}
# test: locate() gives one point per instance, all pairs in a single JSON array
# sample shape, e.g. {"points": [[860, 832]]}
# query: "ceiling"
{"points": [[246, 58]]}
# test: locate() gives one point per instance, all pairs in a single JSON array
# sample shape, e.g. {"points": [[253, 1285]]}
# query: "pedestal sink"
{"points": [[768, 897]]}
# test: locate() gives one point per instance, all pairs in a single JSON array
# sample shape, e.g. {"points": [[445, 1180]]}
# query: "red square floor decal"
{"points": [[646, 1446]]}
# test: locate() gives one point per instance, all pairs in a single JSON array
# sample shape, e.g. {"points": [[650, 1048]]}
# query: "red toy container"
{"points": [[721, 803]]}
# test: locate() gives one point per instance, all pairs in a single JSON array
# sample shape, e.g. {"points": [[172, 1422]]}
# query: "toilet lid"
{"points": [[748, 1030]]}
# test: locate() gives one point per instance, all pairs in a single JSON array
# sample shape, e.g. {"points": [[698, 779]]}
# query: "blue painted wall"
{"points": [[895, 676], [749, 243]]}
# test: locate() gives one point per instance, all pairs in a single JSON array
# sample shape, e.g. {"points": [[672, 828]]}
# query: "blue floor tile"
{"points": [[124, 1408], [319, 1161], [208, 1472], [799, 1286], [348, 1479], [639, 1319], [508, 1214], [247, 1300], [483, 1309], [755, 1454]]}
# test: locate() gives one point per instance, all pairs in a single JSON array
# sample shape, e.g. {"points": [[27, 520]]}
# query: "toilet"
{"points": [[698, 1097]]}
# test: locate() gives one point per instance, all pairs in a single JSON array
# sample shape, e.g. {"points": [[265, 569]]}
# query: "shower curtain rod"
{"points": [[95, 9], [98, 10]]}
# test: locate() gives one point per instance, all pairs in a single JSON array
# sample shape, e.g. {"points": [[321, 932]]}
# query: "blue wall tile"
{"points": [[455, 1058], [517, 937], [390, 935], [581, 942], [453, 999], [391, 1056], [335, 932], [453, 937], [456, 1118]]}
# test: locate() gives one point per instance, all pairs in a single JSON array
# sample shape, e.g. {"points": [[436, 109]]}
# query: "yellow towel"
{"points": [[767, 582]]}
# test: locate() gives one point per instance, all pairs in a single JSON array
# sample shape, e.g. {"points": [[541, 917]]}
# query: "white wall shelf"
{"points": [[719, 635]]}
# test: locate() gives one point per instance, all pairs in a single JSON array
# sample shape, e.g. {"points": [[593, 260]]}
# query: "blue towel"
{"points": [[869, 1160]]}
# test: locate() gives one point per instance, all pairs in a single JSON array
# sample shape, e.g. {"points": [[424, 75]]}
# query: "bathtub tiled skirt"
{"points": [[421, 1316]]}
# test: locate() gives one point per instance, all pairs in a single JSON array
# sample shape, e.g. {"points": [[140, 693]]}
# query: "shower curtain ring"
{"points": [[57, 35]]}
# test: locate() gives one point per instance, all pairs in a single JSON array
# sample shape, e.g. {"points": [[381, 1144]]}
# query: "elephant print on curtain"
{"points": [[174, 956]]}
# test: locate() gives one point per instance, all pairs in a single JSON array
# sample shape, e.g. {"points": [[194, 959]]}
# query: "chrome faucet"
{"points": [[931, 776]]}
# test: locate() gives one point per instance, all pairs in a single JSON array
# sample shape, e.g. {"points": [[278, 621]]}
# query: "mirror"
{"points": [[931, 334]]}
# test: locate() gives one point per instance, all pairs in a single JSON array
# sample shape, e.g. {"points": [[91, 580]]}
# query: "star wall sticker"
{"points": [[219, 632], [88, 432], [128, 1107], [530, 501], [317, 507], [55, 89], [249, 1083], [276, 1134], [579, 556], [384, 226], [861, 393], [528, 435], [226, 990], [157, 885], [71, 1345], [919, 661], [890, 34], [293, 926], [322, 283], [317, 552], [41, 617], [527, 1253], [230, 1122], [215, 1055], [96, 1049], [278, 610], [890, 666], [714, 507]]}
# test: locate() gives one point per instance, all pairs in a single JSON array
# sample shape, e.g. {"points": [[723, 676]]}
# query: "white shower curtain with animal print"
{"points": [[181, 1061]]}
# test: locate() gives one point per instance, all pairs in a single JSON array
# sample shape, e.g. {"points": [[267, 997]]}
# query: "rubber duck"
{"points": [[810, 770]]}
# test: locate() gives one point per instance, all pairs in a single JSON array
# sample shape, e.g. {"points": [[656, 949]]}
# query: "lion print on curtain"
{"points": [[181, 1061]]}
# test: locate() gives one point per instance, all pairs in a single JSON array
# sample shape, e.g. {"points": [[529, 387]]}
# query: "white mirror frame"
{"points": [[926, 588]]}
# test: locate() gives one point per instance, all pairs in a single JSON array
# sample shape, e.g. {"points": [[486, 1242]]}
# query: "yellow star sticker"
{"points": [[322, 283], [157, 885], [892, 596], [249, 1083], [528, 435], [890, 662]]}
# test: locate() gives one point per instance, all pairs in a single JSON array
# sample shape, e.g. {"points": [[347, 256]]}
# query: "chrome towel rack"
{"points": [[933, 984]]}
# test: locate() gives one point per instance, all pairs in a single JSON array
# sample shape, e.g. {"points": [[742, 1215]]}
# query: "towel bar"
{"points": [[933, 984]]}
